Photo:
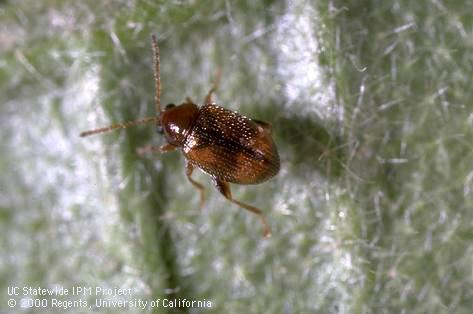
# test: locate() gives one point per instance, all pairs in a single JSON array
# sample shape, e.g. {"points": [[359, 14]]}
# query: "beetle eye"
{"points": [[169, 106], [159, 129]]}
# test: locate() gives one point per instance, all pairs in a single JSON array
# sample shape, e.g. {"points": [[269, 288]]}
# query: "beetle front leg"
{"points": [[224, 188], [197, 185], [208, 98], [141, 151]]}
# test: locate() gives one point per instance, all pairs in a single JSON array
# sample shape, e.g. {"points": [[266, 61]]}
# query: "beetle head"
{"points": [[176, 121]]}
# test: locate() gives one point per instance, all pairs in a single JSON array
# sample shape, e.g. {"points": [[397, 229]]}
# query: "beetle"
{"points": [[226, 145]]}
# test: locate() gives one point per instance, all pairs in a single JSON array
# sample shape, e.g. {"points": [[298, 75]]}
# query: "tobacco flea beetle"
{"points": [[229, 147]]}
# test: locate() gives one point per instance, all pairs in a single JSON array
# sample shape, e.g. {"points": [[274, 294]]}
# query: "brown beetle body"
{"points": [[230, 147], [227, 145]]}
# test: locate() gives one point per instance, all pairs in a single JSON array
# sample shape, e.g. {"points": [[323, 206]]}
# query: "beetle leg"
{"points": [[208, 98], [155, 149], [224, 188], [200, 187]]}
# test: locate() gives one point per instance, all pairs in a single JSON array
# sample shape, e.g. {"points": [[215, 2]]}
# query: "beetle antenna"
{"points": [[157, 99], [157, 79], [122, 125]]}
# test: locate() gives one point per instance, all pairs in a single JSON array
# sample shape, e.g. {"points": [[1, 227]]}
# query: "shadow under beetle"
{"points": [[230, 147]]}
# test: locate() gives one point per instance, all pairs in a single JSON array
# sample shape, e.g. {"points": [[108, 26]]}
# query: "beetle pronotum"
{"points": [[230, 147]]}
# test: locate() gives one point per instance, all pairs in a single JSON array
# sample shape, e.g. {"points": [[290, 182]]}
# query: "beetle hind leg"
{"points": [[197, 185], [224, 188]]}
